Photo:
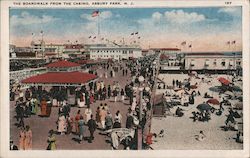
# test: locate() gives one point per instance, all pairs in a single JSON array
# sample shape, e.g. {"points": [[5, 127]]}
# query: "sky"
{"points": [[205, 28]]}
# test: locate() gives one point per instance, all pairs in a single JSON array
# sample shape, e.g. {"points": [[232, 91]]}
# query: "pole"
{"points": [[98, 25], [139, 129]]}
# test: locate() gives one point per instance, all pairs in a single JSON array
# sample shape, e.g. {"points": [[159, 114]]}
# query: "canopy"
{"points": [[215, 89], [66, 78], [204, 107], [224, 81], [62, 63], [213, 101]]}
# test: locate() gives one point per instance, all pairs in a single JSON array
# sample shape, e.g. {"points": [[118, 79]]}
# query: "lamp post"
{"points": [[139, 129]]}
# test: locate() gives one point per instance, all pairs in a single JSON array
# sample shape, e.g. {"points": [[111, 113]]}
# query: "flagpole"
{"points": [[98, 23]]}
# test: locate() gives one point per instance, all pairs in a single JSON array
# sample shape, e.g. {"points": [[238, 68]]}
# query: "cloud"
{"points": [[27, 19], [181, 17], [156, 15], [103, 15], [233, 11]]}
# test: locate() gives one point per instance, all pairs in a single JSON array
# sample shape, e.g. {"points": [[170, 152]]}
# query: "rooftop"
{"points": [[60, 78], [62, 63]]}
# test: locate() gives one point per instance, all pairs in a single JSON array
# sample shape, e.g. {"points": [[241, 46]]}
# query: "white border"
{"points": [[4, 93]]}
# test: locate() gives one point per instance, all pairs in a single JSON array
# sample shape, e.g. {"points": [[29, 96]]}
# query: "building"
{"points": [[170, 58], [219, 61], [117, 52], [38, 47], [12, 53], [73, 50], [55, 50]]}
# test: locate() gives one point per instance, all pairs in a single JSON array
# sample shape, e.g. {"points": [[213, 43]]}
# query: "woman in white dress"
{"points": [[87, 114], [81, 102], [61, 124]]}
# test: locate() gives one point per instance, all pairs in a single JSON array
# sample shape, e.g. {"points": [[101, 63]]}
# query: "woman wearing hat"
{"points": [[51, 141]]}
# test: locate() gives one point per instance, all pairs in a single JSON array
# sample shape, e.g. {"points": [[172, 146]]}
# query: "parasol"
{"points": [[213, 101], [203, 107]]}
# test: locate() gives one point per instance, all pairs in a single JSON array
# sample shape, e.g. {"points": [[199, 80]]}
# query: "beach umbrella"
{"points": [[236, 88], [215, 89], [224, 81], [213, 101], [203, 107]]}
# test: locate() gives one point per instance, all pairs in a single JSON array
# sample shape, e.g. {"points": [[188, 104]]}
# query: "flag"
{"points": [[41, 32], [183, 43], [228, 42], [89, 36], [190, 46], [233, 42], [139, 37], [94, 37], [132, 33], [95, 13], [136, 33]]}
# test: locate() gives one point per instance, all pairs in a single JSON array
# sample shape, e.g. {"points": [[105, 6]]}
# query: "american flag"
{"points": [[95, 13]]}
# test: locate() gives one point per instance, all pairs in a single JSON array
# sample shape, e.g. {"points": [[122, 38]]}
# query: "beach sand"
{"points": [[180, 131]]}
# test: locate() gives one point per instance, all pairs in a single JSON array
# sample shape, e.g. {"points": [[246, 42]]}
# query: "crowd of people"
{"points": [[36, 100]]}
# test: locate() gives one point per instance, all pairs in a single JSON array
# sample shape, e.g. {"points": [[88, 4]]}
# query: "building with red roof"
{"points": [[62, 72]]}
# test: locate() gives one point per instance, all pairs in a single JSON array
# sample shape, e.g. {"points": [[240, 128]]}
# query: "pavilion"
{"points": [[62, 73]]}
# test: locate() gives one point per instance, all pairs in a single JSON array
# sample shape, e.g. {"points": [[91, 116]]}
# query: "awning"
{"points": [[224, 81], [60, 78]]}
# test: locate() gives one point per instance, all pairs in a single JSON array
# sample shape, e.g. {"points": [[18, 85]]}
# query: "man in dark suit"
{"points": [[92, 128]]}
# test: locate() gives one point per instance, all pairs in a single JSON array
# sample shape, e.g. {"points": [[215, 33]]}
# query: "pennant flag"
{"points": [[95, 13], [89, 36], [233, 42], [228, 42], [94, 37], [136, 33], [190, 46], [132, 34], [183, 43], [139, 37]]}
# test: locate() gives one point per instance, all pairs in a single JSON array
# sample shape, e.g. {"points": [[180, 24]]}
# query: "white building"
{"points": [[103, 51], [213, 61], [57, 49]]}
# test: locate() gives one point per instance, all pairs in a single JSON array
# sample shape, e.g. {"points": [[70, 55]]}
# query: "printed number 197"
{"points": [[228, 3]]}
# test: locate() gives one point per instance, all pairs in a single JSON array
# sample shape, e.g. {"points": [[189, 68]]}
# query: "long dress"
{"points": [[81, 128], [28, 140], [77, 118], [88, 113], [61, 124], [52, 142], [81, 102], [34, 104], [22, 140], [43, 108]]}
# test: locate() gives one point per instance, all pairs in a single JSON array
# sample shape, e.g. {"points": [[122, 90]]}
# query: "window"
{"points": [[215, 62], [192, 62], [223, 63]]}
